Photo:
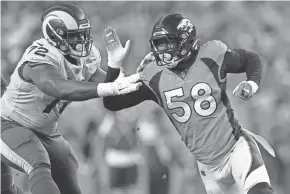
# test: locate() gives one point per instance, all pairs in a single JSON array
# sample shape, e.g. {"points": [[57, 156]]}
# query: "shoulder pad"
{"points": [[148, 68], [94, 57], [93, 60], [42, 52], [213, 49]]}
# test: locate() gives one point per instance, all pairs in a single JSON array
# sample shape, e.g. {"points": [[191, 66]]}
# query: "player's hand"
{"points": [[122, 85], [125, 85], [245, 90], [116, 52]]}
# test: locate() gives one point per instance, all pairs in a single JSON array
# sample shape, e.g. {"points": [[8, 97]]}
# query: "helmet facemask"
{"points": [[170, 49], [76, 43], [80, 42]]}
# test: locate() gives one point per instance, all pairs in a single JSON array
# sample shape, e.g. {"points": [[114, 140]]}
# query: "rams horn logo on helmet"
{"points": [[185, 25]]}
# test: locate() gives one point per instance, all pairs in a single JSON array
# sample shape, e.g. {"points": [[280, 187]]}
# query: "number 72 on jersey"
{"points": [[204, 103]]}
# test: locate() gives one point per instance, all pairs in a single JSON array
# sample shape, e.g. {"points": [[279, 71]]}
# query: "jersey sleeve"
{"points": [[215, 50], [148, 68], [41, 52], [240, 61], [232, 61], [150, 74], [213, 54]]}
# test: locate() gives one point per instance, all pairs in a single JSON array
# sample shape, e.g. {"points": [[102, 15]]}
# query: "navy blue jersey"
{"points": [[195, 100], [197, 103]]}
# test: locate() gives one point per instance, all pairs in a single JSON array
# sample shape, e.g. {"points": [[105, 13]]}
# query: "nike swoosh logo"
{"points": [[39, 44]]}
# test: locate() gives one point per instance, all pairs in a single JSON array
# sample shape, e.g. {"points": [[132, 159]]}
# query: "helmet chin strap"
{"points": [[75, 54], [175, 62], [71, 52]]}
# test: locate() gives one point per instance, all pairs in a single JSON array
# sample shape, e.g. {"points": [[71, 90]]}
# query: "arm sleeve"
{"points": [[115, 103], [240, 61]]}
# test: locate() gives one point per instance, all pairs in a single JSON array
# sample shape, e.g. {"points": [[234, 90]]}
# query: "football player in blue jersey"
{"points": [[188, 81]]}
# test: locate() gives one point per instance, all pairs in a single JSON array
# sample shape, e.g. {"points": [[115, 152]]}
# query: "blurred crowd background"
{"points": [[262, 27]]}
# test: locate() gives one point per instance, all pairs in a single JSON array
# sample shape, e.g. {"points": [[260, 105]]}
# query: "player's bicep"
{"points": [[46, 78]]}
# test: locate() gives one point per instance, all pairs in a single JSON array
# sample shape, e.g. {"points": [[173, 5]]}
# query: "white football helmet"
{"points": [[67, 28]]}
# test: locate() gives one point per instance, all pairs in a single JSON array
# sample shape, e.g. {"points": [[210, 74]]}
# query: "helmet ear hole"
{"points": [[60, 32]]}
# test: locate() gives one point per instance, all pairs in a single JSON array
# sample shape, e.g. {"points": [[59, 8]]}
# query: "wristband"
{"points": [[115, 65], [105, 89], [255, 86]]}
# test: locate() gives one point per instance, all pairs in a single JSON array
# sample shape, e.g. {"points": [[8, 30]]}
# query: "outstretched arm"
{"points": [[240, 61], [50, 81], [115, 103]]}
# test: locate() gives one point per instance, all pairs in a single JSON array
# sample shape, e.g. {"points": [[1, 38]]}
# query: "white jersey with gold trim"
{"points": [[24, 103]]}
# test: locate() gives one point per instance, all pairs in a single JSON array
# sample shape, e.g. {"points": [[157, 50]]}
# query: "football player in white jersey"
{"points": [[61, 67]]}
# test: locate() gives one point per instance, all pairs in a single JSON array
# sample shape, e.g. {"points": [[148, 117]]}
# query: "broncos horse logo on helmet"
{"points": [[67, 28], [173, 38]]}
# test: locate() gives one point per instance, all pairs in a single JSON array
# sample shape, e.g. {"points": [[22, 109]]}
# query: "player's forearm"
{"points": [[116, 103], [240, 61], [254, 68], [70, 90], [252, 64], [112, 74]]}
